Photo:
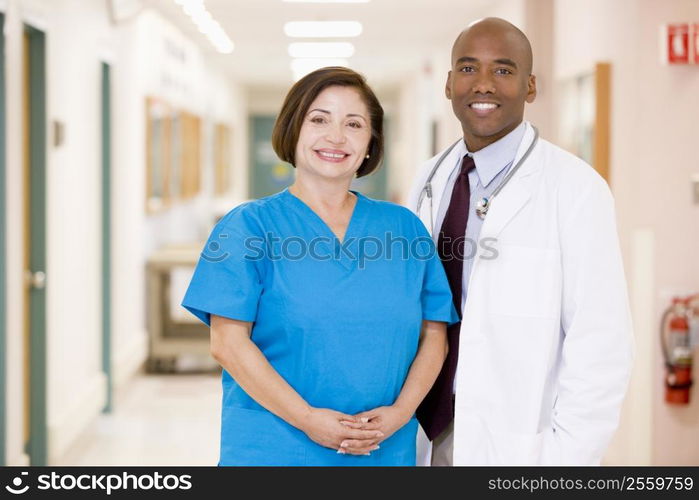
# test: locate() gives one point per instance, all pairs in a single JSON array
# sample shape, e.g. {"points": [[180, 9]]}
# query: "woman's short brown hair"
{"points": [[287, 128]]}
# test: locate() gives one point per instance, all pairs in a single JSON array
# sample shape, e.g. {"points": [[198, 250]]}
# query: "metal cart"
{"points": [[172, 335]]}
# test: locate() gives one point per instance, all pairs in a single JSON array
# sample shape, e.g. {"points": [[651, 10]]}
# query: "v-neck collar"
{"points": [[356, 213]]}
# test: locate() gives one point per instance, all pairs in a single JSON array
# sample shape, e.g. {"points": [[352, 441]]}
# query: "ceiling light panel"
{"points": [[207, 25]]}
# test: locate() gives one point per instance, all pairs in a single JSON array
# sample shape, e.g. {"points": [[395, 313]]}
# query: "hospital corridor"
{"points": [[130, 129]]}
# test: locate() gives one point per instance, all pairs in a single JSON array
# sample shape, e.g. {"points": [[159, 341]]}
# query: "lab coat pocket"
{"points": [[524, 282], [478, 441], [513, 448]]}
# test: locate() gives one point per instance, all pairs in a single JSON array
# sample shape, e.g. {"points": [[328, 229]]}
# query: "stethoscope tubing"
{"points": [[427, 188]]}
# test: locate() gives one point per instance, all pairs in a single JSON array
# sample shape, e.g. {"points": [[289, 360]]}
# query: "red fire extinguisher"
{"points": [[677, 351], [693, 308]]}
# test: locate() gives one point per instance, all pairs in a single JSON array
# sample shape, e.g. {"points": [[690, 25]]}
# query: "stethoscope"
{"points": [[483, 204]]}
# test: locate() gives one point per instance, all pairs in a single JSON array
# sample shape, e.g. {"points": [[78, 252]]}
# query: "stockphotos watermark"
{"points": [[100, 482], [363, 249]]}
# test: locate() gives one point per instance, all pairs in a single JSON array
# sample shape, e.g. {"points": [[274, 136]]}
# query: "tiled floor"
{"points": [[158, 420]]}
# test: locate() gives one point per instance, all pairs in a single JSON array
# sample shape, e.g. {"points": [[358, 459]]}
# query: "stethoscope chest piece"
{"points": [[482, 207], [483, 204]]}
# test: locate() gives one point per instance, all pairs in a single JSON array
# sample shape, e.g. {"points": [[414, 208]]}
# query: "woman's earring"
{"points": [[367, 157]]}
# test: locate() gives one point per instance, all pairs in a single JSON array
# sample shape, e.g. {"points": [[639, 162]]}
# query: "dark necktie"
{"points": [[437, 409]]}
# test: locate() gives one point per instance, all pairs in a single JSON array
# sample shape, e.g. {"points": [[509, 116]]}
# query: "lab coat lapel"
{"points": [[507, 204], [516, 193]]}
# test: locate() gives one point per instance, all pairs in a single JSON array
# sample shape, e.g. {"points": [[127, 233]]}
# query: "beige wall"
{"points": [[538, 24], [653, 155], [668, 108]]}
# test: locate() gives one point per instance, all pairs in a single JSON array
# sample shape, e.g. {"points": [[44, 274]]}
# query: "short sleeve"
{"points": [[227, 280], [436, 298]]}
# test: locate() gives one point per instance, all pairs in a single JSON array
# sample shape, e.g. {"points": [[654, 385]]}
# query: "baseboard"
{"points": [[129, 359], [66, 428], [21, 460]]}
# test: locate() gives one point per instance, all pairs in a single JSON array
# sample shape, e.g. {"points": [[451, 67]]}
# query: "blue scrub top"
{"points": [[340, 321]]}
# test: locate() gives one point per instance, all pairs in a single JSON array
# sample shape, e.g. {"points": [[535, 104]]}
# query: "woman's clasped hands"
{"points": [[354, 434]]}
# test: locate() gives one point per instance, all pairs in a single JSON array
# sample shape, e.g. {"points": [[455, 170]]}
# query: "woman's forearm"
{"points": [[431, 353], [233, 349]]}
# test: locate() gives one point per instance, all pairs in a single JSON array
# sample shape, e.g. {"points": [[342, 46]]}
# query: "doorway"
{"points": [[106, 231], [34, 223]]}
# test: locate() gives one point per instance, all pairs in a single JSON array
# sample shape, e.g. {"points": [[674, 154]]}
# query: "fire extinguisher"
{"points": [[677, 351], [693, 308]]}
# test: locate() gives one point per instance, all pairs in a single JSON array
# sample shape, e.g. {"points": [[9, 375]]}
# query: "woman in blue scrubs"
{"points": [[328, 309]]}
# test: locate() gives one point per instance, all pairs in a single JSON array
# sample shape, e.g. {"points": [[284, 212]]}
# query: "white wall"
{"points": [[76, 385], [653, 154], [79, 36], [144, 68]]}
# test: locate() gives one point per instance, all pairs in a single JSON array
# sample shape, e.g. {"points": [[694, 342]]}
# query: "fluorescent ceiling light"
{"points": [[313, 49], [207, 25], [326, 1], [301, 67], [323, 29]]}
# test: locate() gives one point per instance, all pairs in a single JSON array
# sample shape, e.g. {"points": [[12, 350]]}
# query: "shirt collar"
{"points": [[492, 159]]}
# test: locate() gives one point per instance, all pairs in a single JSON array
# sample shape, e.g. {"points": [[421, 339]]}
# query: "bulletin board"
{"points": [[173, 155], [222, 159], [191, 155]]}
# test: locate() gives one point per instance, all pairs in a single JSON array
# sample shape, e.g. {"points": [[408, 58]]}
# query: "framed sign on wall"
{"points": [[584, 117]]}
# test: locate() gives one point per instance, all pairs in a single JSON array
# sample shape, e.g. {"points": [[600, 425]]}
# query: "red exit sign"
{"points": [[680, 43]]}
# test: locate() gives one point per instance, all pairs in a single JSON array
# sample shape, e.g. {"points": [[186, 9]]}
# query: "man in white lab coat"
{"points": [[540, 363]]}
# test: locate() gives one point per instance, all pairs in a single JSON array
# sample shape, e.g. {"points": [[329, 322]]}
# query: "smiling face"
{"points": [[334, 138], [490, 81]]}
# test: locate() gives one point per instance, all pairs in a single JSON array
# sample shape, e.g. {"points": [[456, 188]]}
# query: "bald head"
{"points": [[490, 80], [496, 27]]}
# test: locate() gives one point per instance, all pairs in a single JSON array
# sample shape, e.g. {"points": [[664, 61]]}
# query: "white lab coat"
{"points": [[545, 346]]}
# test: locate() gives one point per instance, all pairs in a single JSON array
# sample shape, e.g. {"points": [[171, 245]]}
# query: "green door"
{"points": [[106, 232], [35, 242], [268, 174], [374, 184]]}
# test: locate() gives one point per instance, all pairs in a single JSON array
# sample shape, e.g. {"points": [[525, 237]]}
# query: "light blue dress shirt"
{"points": [[492, 164]]}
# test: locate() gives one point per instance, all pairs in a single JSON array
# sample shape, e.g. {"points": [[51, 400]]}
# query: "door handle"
{"points": [[35, 280]]}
